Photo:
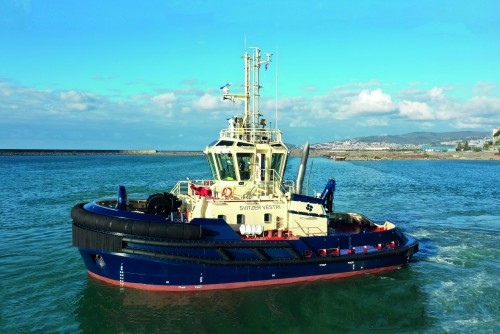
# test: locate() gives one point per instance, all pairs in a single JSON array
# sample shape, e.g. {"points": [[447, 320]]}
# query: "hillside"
{"points": [[420, 138]]}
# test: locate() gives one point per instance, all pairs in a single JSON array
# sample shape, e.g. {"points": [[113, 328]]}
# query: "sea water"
{"points": [[451, 285]]}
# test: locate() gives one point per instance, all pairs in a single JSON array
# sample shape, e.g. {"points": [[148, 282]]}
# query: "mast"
{"points": [[248, 151], [251, 93], [246, 120]]}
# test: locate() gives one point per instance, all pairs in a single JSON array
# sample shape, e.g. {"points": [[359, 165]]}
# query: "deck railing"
{"points": [[184, 187], [253, 135], [259, 188], [309, 231]]}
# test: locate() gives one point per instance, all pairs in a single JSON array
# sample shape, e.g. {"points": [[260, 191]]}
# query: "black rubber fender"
{"points": [[165, 229]]}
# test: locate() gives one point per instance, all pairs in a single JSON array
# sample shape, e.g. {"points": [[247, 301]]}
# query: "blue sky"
{"points": [[146, 74]]}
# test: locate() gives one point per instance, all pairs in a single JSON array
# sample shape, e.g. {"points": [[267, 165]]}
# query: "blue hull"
{"points": [[207, 254], [170, 275]]}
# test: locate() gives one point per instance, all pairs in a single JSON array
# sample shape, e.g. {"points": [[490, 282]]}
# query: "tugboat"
{"points": [[246, 227]]}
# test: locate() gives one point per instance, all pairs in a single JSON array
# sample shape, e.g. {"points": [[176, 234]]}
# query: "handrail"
{"points": [[308, 233], [183, 187], [253, 135], [284, 185], [273, 186]]}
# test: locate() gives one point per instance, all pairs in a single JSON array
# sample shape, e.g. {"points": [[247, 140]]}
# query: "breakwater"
{"points": [[44, 152]]}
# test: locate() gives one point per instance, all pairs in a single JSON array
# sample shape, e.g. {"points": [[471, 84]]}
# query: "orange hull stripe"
{"points": [[238, 285]]}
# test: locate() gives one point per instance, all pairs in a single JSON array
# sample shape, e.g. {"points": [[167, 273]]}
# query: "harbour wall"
{"points": [[43, 152]]}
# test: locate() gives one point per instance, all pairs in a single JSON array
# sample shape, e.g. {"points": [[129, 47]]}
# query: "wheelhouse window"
{"points": [[276, 161], [225, 164], [211, 163], [243, 144], [244, 165], [225, 143]]}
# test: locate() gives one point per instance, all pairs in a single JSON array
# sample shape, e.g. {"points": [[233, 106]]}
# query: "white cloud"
{"points": [[472, 123], [291, 110], [207, 102], [428, 105], [369, 122], [5, 89], [436, 94], [483, 88], [164, 100], [290, 103], [367, 102], [345, 111], [73, 100], [482, 105], [299, 122], [416, 110]]}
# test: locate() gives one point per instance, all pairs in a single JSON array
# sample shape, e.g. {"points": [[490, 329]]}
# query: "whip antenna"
{"points": [[276, 100]]}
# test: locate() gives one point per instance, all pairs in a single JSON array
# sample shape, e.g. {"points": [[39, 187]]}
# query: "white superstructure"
{"points": [[247, 164]]}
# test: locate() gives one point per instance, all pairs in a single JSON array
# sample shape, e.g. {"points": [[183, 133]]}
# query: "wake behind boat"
{"points": [[245, 227]]}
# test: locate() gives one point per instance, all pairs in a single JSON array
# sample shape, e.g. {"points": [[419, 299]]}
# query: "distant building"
{"points": [[496, 136], [438, 148]]}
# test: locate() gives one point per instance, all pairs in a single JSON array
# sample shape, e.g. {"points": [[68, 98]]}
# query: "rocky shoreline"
{"points": [[405, 155]]}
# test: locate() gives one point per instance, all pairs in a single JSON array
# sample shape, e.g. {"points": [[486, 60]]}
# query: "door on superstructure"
{"points": [[276, 164], [244, 161], [261, 167]]}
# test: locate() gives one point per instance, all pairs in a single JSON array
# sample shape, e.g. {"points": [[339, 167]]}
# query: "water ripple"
{"points": [[452, 207]]}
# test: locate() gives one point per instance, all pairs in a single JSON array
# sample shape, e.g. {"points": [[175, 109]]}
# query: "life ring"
{"points": [[227, 192]]}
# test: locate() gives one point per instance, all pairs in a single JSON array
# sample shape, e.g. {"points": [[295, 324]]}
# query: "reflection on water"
{"points": [[388, 303]]}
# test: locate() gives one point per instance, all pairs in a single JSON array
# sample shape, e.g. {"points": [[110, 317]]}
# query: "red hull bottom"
{"points": [[238, 285]]}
